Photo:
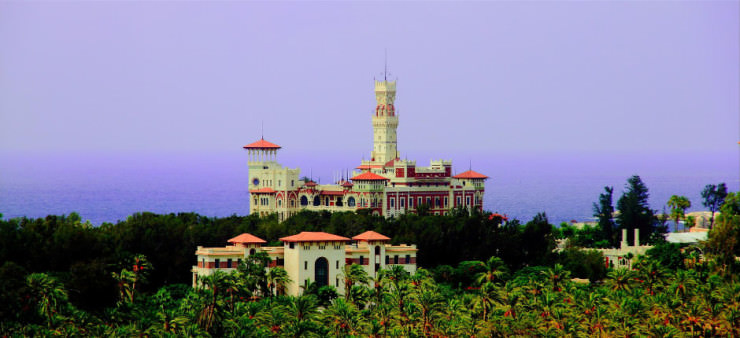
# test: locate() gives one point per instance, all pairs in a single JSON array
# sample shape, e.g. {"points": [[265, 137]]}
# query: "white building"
{"points": [[385, 184], [318, 257]]}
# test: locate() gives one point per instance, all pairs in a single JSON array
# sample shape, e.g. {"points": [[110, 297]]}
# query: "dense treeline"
{"points": [[83, 257], [484, 275], [670, 292]]}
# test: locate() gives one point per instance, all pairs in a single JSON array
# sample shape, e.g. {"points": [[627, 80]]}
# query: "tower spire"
{"points": [[385, 71]]}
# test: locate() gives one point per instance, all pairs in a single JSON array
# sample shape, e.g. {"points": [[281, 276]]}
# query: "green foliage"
{"points": [[583, 263], [723, 243], [713, 198], [487, 279], [669, 255], [678, 205], [604, 211], [635, 212]]}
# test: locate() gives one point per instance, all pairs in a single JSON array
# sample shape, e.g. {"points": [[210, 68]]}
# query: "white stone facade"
{"points": [[397, 186], [301, 256]]}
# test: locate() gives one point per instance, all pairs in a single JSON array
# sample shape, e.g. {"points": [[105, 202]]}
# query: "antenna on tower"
{"points": [[385, 72], [263, 129]]}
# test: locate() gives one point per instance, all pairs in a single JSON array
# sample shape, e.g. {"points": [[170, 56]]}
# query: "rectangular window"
{"points": [[446, 201], [239, 262], [420, 202], [362, 260], [408, 259], [429, 202], [218, 262], [393, 202], [403, 202], [337, 282], [228, 263], [436, 202], [395, 259], [337, 264], [305, 265], [467, 200], [387, 260], [458, 201], [291, 245]]}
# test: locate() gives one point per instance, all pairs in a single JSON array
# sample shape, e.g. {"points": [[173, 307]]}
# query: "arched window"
{"points": [[339, 202], [321, 272], [304, 201], [351, 201], [251, 251], [316, 201]]}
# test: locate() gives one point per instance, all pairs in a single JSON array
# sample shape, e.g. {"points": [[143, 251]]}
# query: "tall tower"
{"points": [[385, 123]]}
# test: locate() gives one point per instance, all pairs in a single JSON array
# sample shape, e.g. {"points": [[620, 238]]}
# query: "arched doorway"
{"points": [[304, 201], [316, 201], [321, 272]]}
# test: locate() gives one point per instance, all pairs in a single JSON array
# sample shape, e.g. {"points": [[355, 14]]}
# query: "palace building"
{"points": [[317, 257], [385, 184]]}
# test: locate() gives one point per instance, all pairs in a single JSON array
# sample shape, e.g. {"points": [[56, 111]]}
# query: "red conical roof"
{"points": [[307, 236], [262, 144], [368, 176], [247, 239], [470, 174], [371, 236]]}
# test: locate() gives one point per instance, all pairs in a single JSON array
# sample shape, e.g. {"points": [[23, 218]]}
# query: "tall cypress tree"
{"points": [[635, 213], [604, 211]]}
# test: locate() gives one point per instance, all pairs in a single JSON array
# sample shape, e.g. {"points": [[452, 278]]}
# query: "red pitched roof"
{"points": [[331, 192], [310, 184], [262, 144], [347, 184], [470, 174], [247, 239], [369, 166], [263, 191], [371, 236], [306, 236], [368, 176], [390, 163]]}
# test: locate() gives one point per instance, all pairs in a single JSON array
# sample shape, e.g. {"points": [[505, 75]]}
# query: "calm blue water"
{"points": [[109, 187]]}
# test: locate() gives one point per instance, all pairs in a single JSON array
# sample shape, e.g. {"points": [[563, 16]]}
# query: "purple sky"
{"points": [[483, 76]]}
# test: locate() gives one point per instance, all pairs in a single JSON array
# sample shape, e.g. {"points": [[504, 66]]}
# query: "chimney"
{"points": [[637, 237], [623, 244]]}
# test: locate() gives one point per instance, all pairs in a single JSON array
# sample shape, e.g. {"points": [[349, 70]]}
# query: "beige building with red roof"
{"points": [[318, 257], [386, 185]]}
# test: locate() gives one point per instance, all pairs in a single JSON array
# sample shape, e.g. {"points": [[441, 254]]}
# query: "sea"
{"points": [[110, 186]]}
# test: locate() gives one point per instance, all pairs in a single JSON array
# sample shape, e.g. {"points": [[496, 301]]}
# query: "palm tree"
{"points": [[344, 318], [278, 279], [49, 293], [429, 302], [620, 279], [353, 274], [494, 271], [556, 276], [302, 311], [678, 205], [214, 285], [487, 297]]}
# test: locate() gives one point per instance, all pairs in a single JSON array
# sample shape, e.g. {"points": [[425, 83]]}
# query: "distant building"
{"points": [[318, 257], [385, 184], [622, 257]]}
